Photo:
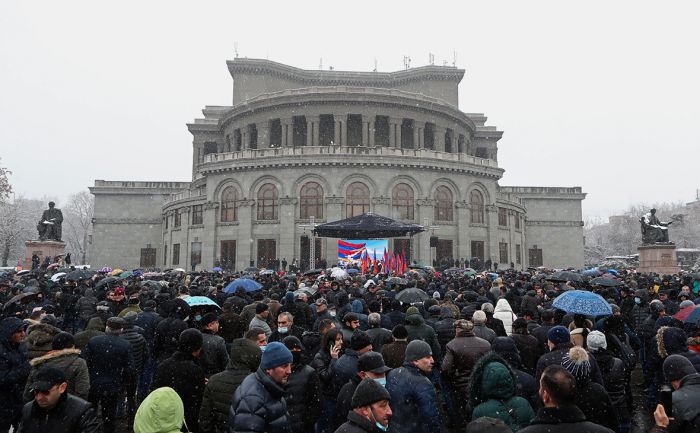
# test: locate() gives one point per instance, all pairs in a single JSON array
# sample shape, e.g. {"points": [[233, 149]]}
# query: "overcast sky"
{"points": [[602, 95]]}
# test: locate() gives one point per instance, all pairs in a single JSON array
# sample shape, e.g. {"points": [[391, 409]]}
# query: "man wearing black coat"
{"points": [[560, 414], [138, 350], [109, 362], [680, 373], [302, 391], [168, 330], [147, 320], [370, 365], [54, 410], [370, 412], [14, 370], [182, 373]]}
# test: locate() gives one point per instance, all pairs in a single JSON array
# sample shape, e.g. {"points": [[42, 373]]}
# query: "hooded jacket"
{"points": [[68, 361], [94, 328], [161, 412], [504, 312], [461, 356], [86, 305], [14, 370], [413, 401], [182, 373], [213, 414], [492, 393], [39, 339], [445, 327], [259, 406], [672, 341], [418, 330]]}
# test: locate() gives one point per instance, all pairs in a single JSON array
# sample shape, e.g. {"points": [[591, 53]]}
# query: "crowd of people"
{"points": [[484, 352]]}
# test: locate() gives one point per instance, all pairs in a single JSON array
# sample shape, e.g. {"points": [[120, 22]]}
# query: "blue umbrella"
{"points": [[352, 271], [593, 272], [217, 269], [693, 317], [582, 302], [199, 301], [247, 284]]}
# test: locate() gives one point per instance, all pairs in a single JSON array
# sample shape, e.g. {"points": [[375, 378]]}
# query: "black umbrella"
{"points": [[605, 282], [566, 276], [76, 275], [412, 295], [105, 281], [252, 270], [314, 272], [22, 297]]}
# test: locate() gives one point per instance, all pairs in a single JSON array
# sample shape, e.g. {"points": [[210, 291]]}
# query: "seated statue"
{"points": [[654, 231], [49, 226]]}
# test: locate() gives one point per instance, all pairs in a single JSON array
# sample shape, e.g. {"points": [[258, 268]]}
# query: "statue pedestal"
{"points": [[658, 258], [42, 249]]}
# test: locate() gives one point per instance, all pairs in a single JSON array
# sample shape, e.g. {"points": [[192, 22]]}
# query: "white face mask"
{"points": [[332, 313]]}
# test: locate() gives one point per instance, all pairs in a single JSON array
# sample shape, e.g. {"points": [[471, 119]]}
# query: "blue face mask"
{"points": [[262, 348], [282, 329], [198, 317], [637, 301], [381, 381], [381, 426]]}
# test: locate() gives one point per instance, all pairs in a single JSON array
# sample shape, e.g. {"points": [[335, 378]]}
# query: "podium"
{"points": [[658, 258], [42, 249]]}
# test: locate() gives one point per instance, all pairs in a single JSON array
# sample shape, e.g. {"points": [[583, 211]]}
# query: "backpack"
{"points": [[627, 355]]}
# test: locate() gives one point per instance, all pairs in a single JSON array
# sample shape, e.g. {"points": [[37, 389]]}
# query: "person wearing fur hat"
{"points": [[591, 397], [65, 357], [415, 401], [258, 404], [371, 411], [39, 338], [493, 393], [182, 373], [461, 354]]}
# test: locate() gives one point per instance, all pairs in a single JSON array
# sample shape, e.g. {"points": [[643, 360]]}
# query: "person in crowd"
{"points": [[394, 352], [214, 357], [168, 331], [528, 346], [14, 371], [493, 393], [379, 335], [560, 413], [371, 411], [95, 327], [216, 401], [138, 352], [685, 399], [480, 329], [262, 311], [286, 327], [302, 390], [370, 365], [231, 324], [559, 343], [526, 385], [54, 409], [504, 313], [418, 330], [493, 323], [415, 401], [109, 362], [346, 367], [65, 357], [350, 323], [324, 363], [258, 404], [182, 373], [161, 412], [613, 371]]}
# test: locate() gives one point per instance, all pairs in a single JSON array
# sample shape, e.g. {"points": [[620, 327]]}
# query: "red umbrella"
{"points": [[684, 313]]}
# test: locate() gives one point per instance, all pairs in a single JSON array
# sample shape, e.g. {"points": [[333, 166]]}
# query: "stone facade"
{"points": [[300, 147]]}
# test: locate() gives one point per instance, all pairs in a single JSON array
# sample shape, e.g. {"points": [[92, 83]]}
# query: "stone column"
{"points": [[365, 132], [287, 230], [245, 138], [424, 213], [263, 134], [336, 130], [244, 245], [371, 133], [287, 130], [309, 133], [416, 136], [394, 132], [209, 241], [344, 131], [493, 231], [463, 236], [313, 132], [440, 138]]}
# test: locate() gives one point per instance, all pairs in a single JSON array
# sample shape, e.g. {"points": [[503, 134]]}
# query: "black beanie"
{"points": [[62, 340], [676, 367], [369, 391], [359, 340], [190, 341]]}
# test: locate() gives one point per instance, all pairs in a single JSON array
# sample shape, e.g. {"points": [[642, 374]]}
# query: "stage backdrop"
{"points": [[351, 251]]}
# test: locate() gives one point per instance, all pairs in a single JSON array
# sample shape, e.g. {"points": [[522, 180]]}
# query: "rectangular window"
{"points": [[502, 217], [177, 220], [503, 252], [195, 253], [517, 221], [197, 214], [518, 254], [478, 250], [176, 254], [148, 258], [535, 256], [228, 255]]}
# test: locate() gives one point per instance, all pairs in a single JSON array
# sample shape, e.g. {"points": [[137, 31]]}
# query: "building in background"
{"points": [[302, 147]]}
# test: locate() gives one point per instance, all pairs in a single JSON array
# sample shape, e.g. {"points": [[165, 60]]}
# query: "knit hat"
{"points": [[687, 303], [464, 325], [676, 367], [412, 310], [359, 340], [372, 361], [578, 364], [275, 354], [558, 335], [417, 349], [62, 340], [261, 307], [479, 317], [596, 341], [190, 341], [292, 342], [400, 332], [487, 425], [368, 391], [487, 307]]}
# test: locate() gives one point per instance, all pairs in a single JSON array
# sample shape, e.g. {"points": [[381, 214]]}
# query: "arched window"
{"points": [[443, 204], [357, 199], [476, 200], [402, 201], [228, 204], [267, 202], [311, 200]]}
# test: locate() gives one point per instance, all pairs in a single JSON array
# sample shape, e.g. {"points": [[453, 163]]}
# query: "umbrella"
{"points": [[684, 313], [566, 276], [252, 270], [593, 272], [396, 280], [152, 274], [19, 298], [314, 272], [352, 271], [201, 301], [178, 270], [151, 283], [116, 272], [77, 275], [247, 284], [56, 277], [340, 275], [582, 302], [23, 272], [52, 265], [105, 270], [267, 272], [694, 316], [126, 274], [216, 269], [605, 282], [412, 295], [105, 281]]}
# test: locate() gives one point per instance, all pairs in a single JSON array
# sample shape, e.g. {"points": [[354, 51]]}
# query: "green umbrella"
{"points": [[125, 274]]}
